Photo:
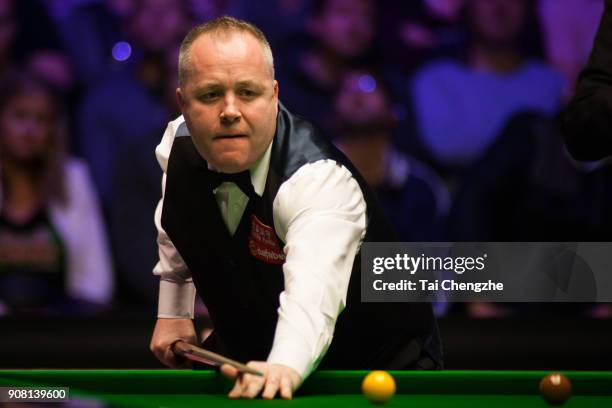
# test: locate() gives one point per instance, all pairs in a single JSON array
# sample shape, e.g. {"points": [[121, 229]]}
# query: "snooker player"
{"points": [[265, 218]]}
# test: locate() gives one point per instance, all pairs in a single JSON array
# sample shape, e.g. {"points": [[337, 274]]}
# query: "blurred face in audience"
{"points": [[346, 27], [361, 101], [26, 124], [229, 100], [497, 22], [159, 24]]}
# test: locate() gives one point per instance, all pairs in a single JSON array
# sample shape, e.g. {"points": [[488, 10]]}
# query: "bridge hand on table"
{"points": [[277, 378]]}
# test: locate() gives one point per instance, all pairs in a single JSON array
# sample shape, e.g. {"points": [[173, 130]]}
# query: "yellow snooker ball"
{"points": [[378, 387]]}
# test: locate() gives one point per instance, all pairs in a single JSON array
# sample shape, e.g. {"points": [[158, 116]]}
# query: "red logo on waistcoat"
{"points": [[264, 244]]}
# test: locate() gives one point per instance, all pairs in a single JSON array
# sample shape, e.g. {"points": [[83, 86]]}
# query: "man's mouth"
{"points": [[230, 136]]}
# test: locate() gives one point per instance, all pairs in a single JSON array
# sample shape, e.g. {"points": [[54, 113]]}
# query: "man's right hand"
{"points": [[166, 333]]}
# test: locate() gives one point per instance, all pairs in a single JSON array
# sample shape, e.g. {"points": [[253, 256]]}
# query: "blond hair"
{"points": [[221, 25]]}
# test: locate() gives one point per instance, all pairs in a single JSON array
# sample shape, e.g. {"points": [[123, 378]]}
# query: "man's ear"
{"points": [[180, 99], [276, 94]]}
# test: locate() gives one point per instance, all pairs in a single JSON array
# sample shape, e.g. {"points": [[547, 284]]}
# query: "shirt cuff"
{"points": [[176, 299]]}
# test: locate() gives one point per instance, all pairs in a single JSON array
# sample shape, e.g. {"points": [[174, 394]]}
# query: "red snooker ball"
{"points": [[555, 388]]}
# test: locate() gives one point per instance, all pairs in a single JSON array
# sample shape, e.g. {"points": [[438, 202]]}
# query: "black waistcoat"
{"points": [[242, 292]]}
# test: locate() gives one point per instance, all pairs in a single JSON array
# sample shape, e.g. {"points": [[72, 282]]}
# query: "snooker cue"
{"points": [[188, 350]]}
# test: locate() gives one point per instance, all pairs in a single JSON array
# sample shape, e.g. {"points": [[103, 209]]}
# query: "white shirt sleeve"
{"points": [[176, 289], [320, 214]]}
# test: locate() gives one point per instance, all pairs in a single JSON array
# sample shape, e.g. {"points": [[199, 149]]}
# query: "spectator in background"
{"points": [[412, 34], [462, 106], [29, 41], [129, 105], [568, 28], [525, 189], [120, 120], [38, 47], [423, 30], [89, 30], [53, 250], [38, 50], [411, 194], [343, 33]]}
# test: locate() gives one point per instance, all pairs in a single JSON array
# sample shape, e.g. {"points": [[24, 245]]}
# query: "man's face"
{"points": [[229, 100]]}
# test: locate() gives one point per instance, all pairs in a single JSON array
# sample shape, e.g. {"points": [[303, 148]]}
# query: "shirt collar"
{"points": [[258, 171]]}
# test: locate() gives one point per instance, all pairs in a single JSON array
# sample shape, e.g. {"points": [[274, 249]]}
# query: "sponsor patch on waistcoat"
{"points": [[264, 244]]}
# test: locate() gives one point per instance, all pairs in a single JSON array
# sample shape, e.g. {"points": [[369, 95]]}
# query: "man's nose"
{"points": [[230, 112]]}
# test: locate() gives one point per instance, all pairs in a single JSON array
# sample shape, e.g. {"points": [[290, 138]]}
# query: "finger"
{"points": [[286, 388], [177, 360], [272, 385], [158, 353], [169, 358], [252, 387], [229, 371], [236, 391]]}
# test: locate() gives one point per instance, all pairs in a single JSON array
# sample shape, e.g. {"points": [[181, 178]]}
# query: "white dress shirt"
{"points": [[320, 215]]}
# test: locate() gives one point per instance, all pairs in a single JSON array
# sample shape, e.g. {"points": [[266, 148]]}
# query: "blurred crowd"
{"points": [[448, 108]]}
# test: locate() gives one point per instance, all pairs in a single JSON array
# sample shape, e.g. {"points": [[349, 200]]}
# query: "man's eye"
{"points": [[247, 93], [209, 96]]}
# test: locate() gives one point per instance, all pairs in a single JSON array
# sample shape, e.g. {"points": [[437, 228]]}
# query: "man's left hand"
{"points": [[277, 378]]}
